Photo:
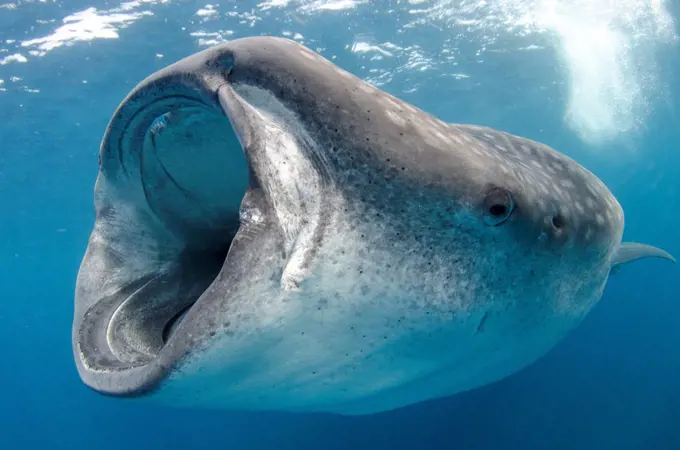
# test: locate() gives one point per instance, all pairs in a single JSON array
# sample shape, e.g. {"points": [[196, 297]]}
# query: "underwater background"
{"points": [[598, 80]]}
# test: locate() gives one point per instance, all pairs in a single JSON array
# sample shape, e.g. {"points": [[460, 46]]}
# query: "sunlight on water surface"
{"points": [[607, 48]]}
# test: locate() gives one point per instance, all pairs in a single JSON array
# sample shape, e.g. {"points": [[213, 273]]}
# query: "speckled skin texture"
{"points": [[362, 271]]}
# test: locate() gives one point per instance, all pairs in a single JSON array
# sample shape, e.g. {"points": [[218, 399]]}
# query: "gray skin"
{"points": [[273, 233]]}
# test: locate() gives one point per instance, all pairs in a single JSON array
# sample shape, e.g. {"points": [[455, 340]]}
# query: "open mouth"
{"points": [[173, 178]]}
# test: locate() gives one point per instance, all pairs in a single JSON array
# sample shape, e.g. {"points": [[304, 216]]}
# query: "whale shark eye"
{"points": [[498, 205]]}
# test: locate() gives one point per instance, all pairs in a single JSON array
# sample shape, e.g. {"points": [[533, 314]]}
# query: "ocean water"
{"points": [[597, 80]]}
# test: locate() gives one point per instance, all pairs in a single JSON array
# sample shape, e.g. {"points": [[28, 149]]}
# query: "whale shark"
{"points": [[273, 233]]}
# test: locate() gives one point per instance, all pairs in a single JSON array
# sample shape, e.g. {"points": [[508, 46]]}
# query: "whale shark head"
{"points": [[273, 233]]}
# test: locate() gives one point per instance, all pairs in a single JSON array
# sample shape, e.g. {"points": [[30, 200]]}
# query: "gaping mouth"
{"points": [[172, 179]]}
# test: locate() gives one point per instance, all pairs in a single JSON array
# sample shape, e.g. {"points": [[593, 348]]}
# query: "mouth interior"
{"points": [[194, 176], [171, 325]]}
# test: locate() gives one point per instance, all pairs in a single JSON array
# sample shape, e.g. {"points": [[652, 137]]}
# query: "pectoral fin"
{"points": [[632, 251]]}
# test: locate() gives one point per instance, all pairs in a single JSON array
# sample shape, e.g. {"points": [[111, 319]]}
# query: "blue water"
{"points": [[595, 81]]}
